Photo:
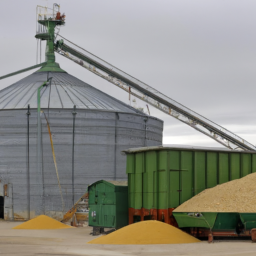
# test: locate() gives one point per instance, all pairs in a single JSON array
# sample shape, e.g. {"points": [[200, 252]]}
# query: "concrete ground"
{"points": [[74, 242]]}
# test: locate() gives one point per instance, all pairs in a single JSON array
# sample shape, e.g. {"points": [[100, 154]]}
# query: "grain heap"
{"points": [[42, 222], [146, 232], [233, 196]]}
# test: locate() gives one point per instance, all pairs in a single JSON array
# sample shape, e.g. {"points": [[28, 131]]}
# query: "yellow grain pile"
{"points": [[146, 232], [233, 196], [42, 222]]}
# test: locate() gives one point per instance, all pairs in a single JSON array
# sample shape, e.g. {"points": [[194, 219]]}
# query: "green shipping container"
{"points": [[108, 204], [164, 177]]}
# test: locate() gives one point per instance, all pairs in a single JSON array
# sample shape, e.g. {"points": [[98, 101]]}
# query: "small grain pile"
{"points": [[146, 232], [233, 196], [42, 222]]}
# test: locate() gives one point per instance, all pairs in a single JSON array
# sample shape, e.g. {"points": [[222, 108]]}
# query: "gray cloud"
{"points": [[200, 53]]}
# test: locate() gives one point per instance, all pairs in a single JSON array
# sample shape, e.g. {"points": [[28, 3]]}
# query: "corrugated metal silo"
{"points": [[103, 125]]}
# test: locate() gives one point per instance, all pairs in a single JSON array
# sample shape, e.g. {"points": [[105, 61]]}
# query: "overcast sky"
{"points": [[199, 53]]}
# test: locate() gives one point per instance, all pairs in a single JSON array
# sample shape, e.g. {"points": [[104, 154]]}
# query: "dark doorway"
{"points": [[1, 207]]}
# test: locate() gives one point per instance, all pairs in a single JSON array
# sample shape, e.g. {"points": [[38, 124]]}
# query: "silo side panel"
{"points": [[223, 168], [175, 173], [130, 164], [212, 169], [186, 175], [245, 164], [139, 168], [148, 179], [199, 172], [162, 180], [235, 166], [154, 131], [92, 195], [102, 126], [254, 163]]}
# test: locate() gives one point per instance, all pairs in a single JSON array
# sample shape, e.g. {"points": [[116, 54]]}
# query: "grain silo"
{"points": [[89, 129]]}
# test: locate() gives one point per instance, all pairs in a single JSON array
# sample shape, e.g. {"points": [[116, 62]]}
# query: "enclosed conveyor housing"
{"points": [[150, 95]]}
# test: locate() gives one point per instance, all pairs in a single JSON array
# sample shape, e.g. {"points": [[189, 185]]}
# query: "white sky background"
{"points": [[199, 53]]}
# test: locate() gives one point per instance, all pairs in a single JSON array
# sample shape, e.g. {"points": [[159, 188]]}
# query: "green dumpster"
{"points": [[222, 221], [226, 224], [248, 220], [108, 204]]}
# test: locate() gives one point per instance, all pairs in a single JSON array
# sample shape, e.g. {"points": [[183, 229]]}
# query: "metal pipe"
{"points": [[22, 70], [55, 163], [73, 155], [39, 140], [39, 135], [28, 174]]}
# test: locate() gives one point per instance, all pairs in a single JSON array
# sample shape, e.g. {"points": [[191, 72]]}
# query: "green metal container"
{"points": [[248, 220], [236, 223], [108, 204], [164, 177], [211, 220]]}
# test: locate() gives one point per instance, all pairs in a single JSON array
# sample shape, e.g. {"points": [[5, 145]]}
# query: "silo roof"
{"points": [[65, 91]]}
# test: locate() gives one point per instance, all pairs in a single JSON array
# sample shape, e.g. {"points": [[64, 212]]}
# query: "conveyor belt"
{"points": [[150, 95]]}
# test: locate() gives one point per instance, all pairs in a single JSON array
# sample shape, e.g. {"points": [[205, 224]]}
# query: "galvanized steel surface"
{"points": [[65, 91], [104, 127]]}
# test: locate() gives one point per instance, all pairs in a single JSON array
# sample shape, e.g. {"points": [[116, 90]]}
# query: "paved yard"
{"points": [[73, 242]]}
